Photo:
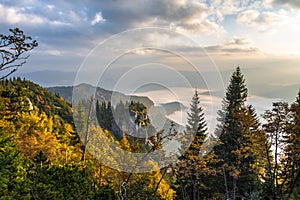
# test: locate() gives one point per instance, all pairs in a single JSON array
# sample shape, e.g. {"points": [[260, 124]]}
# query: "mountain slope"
{"points": [[41, 156], [29, 92], [85, 91]]}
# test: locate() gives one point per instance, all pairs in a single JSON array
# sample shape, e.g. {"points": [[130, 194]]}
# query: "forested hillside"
{"points": [[43, 155], [81, 94]]}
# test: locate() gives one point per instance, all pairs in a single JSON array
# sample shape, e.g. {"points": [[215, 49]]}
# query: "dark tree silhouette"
{"points": [[239, 145], [13, 51]]}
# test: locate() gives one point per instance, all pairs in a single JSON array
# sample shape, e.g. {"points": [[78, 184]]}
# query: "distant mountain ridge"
{"points": [[85, 91], [257, 85]]}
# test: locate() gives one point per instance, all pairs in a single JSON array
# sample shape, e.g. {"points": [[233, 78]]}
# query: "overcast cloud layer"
{"points": [[62, 25], [262, 34]]}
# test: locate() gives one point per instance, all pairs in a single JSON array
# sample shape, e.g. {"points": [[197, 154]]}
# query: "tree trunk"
{"points": [[225, 183], [156, 188]]}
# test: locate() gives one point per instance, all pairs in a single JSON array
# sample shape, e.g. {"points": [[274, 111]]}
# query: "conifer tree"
{"points": [[196, 126], [13, 182], [238, 130], [192, 169], [196, 121]]}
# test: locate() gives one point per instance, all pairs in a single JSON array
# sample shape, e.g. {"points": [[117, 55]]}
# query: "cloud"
{"points": [[12, 15], [143, 51], [234, 46], [185, 15], [188, 16], [79, 19], [227, 7], [75, 27], [50, 7], [238, 41], [262, 21], [98, 19], [30, 17], [221, 9], [292, 3]]}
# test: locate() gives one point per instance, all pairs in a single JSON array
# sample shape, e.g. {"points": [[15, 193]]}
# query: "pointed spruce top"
{"points": [[236, 93], [196, 120]]}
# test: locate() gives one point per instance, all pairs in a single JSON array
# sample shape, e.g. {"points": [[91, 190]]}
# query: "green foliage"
{"points": [[23, 93], [40, 151], [104, 114], [46, 142], [139, 112], [239, 147], [13, 182], [196, 121], [193, 171], [66, 182], [237, 92], [282, 126]]}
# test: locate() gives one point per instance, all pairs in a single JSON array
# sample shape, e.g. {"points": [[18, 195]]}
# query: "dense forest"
{"points": [[43, 157]]}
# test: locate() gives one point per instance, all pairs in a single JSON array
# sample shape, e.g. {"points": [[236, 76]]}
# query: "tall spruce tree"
{"points": [[193, 170], [236, 151]]}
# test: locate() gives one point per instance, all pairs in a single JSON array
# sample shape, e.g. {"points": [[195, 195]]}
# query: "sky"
{"points": [[260, 36]]}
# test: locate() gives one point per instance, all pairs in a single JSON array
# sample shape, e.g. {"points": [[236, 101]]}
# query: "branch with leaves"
{"points": [[13, 51]]}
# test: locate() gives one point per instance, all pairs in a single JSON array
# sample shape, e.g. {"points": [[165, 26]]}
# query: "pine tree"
{"points": [[196, 126], [13, 181], [237, 92], [196, 121], [238, 129], [193, 169]]}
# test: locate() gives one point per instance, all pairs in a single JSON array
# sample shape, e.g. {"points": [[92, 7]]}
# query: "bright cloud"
{"points": [[13, 15], [235, 46], [50, 7], [262, 21], [97, 19], [180, 15]]}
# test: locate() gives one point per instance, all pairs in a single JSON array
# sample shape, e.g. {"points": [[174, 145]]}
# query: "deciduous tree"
{"points": [[13, 49]]}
